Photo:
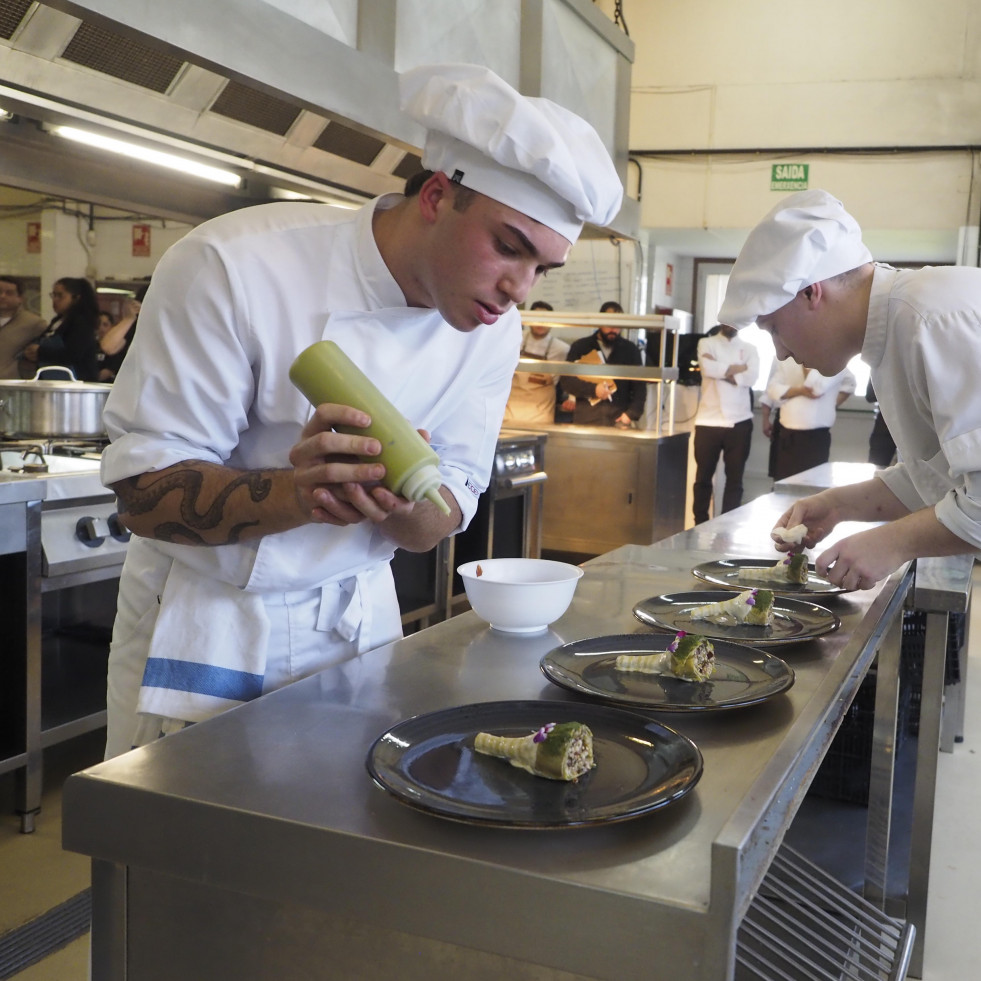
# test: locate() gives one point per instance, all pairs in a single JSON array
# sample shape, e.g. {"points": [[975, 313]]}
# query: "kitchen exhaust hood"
{"points": [[300, 98]]}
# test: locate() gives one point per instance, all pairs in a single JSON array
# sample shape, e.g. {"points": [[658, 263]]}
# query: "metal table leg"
{"points": [[952, 723], [924, 790], [879, 825], [29, 778]]}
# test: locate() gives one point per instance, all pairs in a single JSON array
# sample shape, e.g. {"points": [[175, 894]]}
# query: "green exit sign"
{"points": [[788, 177]]}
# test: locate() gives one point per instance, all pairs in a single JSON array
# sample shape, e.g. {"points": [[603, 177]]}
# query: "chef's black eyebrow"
{"points": [[529, 247]]}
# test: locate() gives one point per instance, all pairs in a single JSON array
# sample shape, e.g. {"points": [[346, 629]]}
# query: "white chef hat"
{"points": [[528, 153], [806, 238]]}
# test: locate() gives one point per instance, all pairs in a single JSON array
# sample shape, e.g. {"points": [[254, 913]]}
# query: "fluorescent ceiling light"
{"points": [[170, 160], [286, 194]]}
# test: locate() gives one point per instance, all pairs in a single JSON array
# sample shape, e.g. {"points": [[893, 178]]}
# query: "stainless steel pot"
{"points": [[37, 407]]}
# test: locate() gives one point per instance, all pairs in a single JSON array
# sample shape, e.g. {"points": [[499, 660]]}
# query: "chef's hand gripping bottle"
{"points": [[324, 373]]}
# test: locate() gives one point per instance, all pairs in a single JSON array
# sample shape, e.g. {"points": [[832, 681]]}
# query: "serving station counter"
{"points": [[256, 845]]}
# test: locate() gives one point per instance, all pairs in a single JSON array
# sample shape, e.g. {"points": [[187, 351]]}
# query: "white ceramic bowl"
{"points": [[519, 595]]}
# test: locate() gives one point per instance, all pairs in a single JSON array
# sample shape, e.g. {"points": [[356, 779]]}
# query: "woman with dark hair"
{"points": [[70, 339]]}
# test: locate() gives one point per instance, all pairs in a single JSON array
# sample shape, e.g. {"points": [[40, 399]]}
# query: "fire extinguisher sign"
{"points": [[141, 240]]}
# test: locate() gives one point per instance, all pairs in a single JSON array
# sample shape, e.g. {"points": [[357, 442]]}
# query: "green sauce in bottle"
{"points": [[324, 373]]}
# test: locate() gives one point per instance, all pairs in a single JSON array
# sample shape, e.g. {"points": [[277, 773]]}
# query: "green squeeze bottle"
{"points": [[324, 373]]}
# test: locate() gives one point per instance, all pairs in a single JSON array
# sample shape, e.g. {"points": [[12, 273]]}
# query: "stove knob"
{"points": [[117, 529], [91, 531]]}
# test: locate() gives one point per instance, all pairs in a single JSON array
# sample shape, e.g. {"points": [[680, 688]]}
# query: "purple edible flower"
{"points": [[542, 733], [673, 646], [751, 599]]}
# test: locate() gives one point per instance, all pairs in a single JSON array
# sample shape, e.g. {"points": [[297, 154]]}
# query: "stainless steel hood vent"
{"points": [[12, 12], [124, 58], [411, 164], [247, 105], [349, 143], [300, 110]]}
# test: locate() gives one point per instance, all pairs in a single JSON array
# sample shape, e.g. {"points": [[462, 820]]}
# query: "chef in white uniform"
{"points": [[532, 399], [805, 276], [807, 403], [261, 545]]}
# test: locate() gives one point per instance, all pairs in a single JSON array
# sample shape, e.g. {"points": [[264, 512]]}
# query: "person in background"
{"points": [[18, 328], [724, 421], [805, 276], [70, 340], [602, 401], [102, 328], [882, 447], [532, 398], [115, 341], [807, 403], [261, 542]]}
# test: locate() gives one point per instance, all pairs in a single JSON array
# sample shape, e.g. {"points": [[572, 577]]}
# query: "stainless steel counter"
{"points": [[256, 846]]}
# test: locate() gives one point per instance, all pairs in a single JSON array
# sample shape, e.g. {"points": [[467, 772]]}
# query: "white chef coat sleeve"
{"points": [[950, 349], [185, 387], [818, 383], [466, 438], [848, 382], [710, 366], [748, 378], [943, 381], [777, 385], [898, 480]]}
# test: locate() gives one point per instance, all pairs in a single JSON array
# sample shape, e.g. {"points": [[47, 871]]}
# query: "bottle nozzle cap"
{"points": [[424, 482], [437, 499]]}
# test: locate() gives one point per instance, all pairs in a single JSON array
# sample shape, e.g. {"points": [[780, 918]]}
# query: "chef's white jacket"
{"points": [[801, 411], [231, 306], [721, 403], [923, 345]]}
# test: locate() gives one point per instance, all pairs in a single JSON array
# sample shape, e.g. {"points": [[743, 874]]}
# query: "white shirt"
{"points": [[723, 403], [207, 378], [801, 411], [923, 344]]}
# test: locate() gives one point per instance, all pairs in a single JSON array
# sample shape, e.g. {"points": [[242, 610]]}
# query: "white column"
{"points": [[65, 251]]}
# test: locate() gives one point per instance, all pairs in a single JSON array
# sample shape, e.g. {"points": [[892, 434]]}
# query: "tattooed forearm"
{"points": [[178, 534], [199, 502]]}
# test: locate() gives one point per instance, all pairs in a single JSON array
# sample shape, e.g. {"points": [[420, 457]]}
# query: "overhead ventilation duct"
{"points": [[254, 108], [12, 12], [122, 57], [297, 103], [346, 142]]}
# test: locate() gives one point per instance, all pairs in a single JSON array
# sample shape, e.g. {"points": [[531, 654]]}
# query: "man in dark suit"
{"points": [[601, 401]]}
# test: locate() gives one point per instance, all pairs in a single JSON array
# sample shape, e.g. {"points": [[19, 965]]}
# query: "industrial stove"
{"points": [[61, 552]]}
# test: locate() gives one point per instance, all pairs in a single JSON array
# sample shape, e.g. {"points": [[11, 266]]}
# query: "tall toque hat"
{"points": [[528, 153], [806, 238]]}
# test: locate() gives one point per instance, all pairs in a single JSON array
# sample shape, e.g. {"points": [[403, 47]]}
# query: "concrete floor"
{"points": [[36, 874]]}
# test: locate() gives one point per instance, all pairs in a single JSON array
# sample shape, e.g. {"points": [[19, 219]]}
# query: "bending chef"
{"points": [[805, 276]]}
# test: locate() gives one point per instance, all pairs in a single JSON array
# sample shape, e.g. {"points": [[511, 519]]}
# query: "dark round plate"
{"points": [[793, 619], [738, 574], [742, 676], [429, 763]]}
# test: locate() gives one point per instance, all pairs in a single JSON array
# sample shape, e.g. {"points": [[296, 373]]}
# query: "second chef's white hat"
{"points": [[528, 153], [805, 239]]}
